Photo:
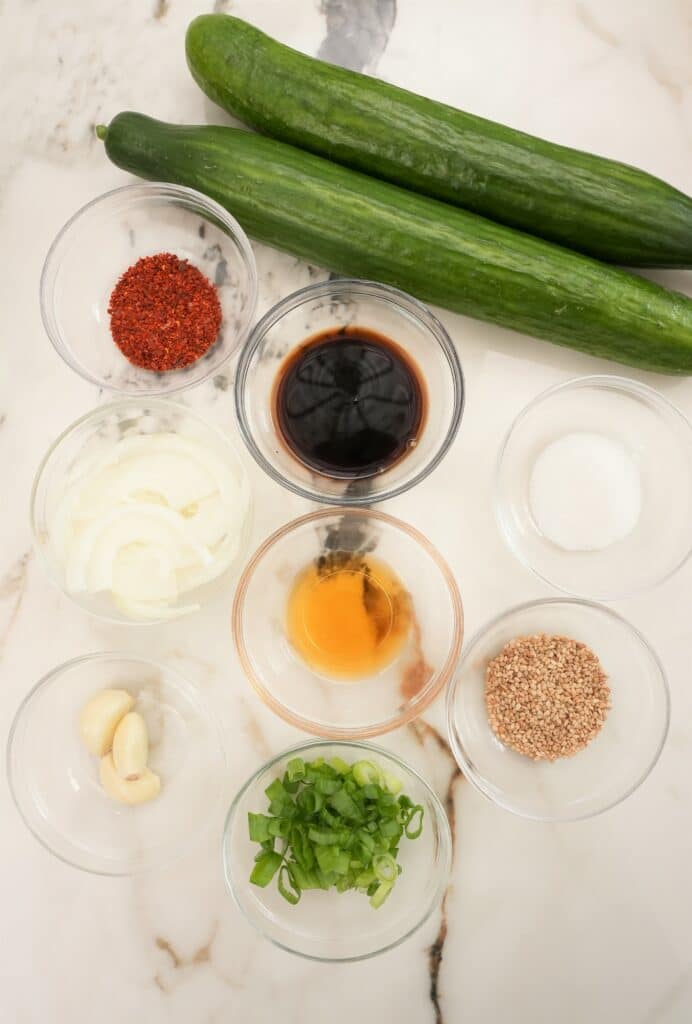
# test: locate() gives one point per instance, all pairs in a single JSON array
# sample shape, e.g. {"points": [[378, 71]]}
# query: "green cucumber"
{"points": [[596, 206], [363, 227]]}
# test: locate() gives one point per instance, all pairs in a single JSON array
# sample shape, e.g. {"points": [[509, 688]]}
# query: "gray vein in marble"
{"points": [[587, 20], [423, 732], [357, 32], [12, 589], [160, 9], [668, 1000], [203, 955], [659, 74], [253, 731]]}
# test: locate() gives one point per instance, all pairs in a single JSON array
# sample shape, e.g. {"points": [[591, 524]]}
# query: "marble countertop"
{"points": [[579, 924]]}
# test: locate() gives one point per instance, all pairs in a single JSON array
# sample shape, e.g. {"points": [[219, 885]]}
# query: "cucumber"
{"points": [[363, 227], [596, 206]]}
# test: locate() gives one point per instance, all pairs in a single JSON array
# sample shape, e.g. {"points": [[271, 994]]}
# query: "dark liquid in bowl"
{"points": [[349, 402]]}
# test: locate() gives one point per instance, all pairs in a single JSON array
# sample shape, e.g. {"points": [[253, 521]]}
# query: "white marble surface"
{"points": [[581, 924]]}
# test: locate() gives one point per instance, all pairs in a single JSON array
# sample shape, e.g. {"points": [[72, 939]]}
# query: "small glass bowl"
{"points": [[657, 437], [326, 925], [55, 781], [378, 703], [333, 304], [98, 244], [605, 772], [89, 438]]}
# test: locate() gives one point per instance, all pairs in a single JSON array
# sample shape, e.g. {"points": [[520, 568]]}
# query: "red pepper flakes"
{"points": [[165, 313]]}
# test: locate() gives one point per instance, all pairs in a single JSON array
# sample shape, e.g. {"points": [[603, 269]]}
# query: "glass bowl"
{"points": [[377, 703], [89, 440], [55, 781], [338, 303], [107, 236], [658, 440], [326, 925], [605, 772]]}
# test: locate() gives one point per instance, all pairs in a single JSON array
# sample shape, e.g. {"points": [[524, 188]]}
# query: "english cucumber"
{"points": [[596, 206], [363, 227]]}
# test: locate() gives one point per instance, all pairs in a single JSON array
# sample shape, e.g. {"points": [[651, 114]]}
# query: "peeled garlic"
{"points": [[131, 746], [99, 719], [125, 791]]}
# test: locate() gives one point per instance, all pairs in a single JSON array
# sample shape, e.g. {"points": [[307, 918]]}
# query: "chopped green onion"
{"points": [[344, 804], [392, 782], [276, 791], [327, 786], [366, 773], [259, 827], [310, 801], [295, 769], [380, 894], [279, 826], [323, 838], [384, 867], [390, 827], [331, 858], [340, 827], [291, 894], [364, 879], [410, 832], [283, 807], [366, 840], [266, 866]]}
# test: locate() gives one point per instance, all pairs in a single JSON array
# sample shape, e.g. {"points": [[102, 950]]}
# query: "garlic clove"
{"points": [[99, 719], [131, 746], [126, 791]]}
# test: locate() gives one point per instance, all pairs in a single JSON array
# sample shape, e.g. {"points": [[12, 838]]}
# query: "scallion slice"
{"points": [[339, 826], [366, 773], [266, 866]]}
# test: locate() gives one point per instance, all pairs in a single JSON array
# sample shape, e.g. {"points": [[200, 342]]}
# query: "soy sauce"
{"points": [[349, 403]]}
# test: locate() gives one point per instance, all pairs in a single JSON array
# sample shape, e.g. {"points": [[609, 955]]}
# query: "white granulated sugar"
{"points": [[585, 492]]}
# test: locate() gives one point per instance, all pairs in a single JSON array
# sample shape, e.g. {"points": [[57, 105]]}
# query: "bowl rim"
{"points": [[615, 382], [393, 297], [192, 837], [145, 190], [455, 739], [99, 412], [445, 830], [418, 705]]}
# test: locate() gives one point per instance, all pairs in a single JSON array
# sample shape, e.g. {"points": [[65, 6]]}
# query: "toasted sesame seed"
{"points": [[546, 696]]}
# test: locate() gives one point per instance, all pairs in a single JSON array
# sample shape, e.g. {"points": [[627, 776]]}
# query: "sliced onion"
{"points": [[146, 570], [156, 516]]}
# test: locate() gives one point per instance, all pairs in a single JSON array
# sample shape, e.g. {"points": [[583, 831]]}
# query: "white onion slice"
{"points": [[154, 517]]}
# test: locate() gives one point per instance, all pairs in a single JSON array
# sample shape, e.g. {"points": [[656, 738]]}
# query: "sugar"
{"points": [[585, 492]]}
